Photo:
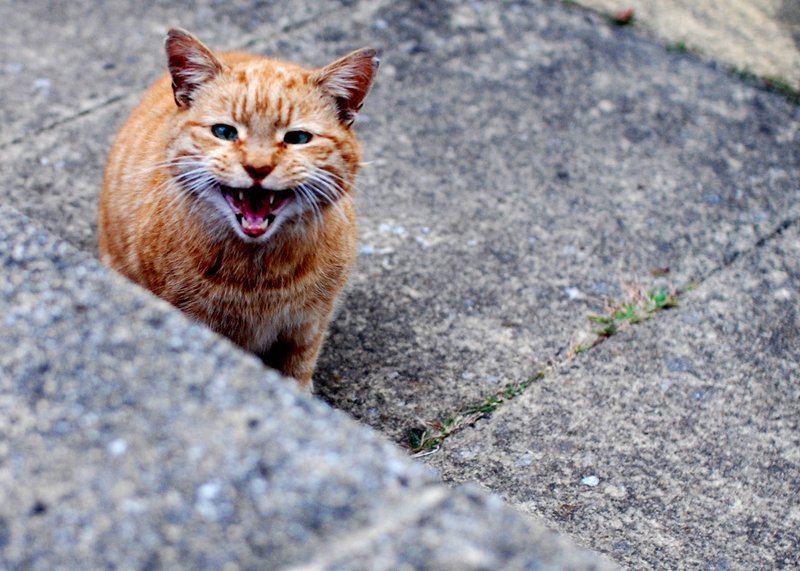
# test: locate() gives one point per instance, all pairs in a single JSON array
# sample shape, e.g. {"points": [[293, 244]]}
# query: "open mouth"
{"points": [[255, 207]]}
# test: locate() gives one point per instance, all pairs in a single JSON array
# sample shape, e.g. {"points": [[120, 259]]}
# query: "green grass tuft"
{"points": [[772, 83], [782, 86], [639, 305], [678, 48], [422, 441]]}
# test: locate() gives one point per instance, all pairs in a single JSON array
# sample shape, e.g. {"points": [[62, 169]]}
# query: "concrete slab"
{"points": [[525, 161], [675, 444], [57, 182], [132, 438], [761, 36]]}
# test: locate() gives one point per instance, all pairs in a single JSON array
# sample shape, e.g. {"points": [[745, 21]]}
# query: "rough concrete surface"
{"points": [[674, 445], [555, 159], [761, 36], [524, 160], [131, 438]]}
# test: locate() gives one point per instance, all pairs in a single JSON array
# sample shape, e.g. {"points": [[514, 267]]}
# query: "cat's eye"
{"points": [[225, 132], [297, 137]]}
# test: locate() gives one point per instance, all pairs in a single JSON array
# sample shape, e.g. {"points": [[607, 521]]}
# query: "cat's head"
{"points": [[264, 141]]}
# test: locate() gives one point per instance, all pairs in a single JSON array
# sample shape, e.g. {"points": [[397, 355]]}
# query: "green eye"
{"points": [[297, 137], [225, 132]]}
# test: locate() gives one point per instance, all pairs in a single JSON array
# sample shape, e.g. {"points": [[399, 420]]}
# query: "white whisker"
{"points": [[324, 185], [183, 161], [307, 198]]}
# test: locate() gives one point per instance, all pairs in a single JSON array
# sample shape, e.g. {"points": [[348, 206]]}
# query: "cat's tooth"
{"points": [[241, 195], [271, 198]]}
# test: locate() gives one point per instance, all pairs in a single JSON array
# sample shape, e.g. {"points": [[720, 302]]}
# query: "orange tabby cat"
{"points": [[229, 193]]}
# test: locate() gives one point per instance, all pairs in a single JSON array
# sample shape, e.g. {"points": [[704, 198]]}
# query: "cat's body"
{"points": [[230, 195]]}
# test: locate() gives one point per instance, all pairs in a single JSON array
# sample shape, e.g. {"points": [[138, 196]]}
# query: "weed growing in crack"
{"points": [[428, 438], [680, 47], [772, 83], [639, 305], [782, 86]]}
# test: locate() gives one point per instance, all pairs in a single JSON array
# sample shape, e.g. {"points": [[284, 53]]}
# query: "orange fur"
{"points": [[183, 211]]}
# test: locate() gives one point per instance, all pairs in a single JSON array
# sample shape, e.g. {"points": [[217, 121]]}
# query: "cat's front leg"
{"points": [[295, 355]]}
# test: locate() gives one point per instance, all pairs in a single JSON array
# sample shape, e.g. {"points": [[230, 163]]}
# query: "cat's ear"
{"points": [[348, 80], [191, 64]]}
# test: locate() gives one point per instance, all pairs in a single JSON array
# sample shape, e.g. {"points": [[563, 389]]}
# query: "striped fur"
{"points": [[165, 222]]}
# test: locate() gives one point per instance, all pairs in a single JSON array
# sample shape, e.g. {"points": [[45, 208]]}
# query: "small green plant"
{"points": [[581, 348], [681, 47], [770, 82], [423, 441], [678, 48], [638, 305], [426, 440], [628, 313], [744, 73], [782, 86]]}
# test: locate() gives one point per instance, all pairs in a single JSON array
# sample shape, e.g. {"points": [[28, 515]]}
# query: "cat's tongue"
{"points": [[254, 208]]}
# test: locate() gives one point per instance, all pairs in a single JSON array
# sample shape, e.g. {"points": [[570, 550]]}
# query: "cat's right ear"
{"points": [[191, 64], [348, 80]]}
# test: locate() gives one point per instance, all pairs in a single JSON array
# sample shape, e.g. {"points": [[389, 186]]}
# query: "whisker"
{"points": [[189, 160], [306, 196], [324, 184]]}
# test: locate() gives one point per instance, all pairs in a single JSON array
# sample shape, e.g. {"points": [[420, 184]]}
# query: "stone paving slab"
{"points": [[761, 36], [132, 438], [526, 160], [675, 444]]}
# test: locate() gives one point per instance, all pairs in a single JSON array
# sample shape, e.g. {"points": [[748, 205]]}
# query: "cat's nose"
{"points": [[258, 173]]}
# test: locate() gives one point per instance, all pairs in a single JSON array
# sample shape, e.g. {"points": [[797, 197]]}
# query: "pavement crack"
{"points": [[64, 120], [429, 436], [732, 257], [289, 27], [639, 304], [295, 25]]}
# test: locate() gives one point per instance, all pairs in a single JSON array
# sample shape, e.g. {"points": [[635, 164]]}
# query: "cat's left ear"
{"points": [[348, 80], [191, 64]]}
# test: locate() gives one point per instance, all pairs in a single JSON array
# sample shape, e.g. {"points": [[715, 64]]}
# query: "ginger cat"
{"points": [[229, 193]]}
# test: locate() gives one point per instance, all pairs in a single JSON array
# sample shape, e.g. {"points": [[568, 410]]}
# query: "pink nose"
{"points": [[258, 173]]}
